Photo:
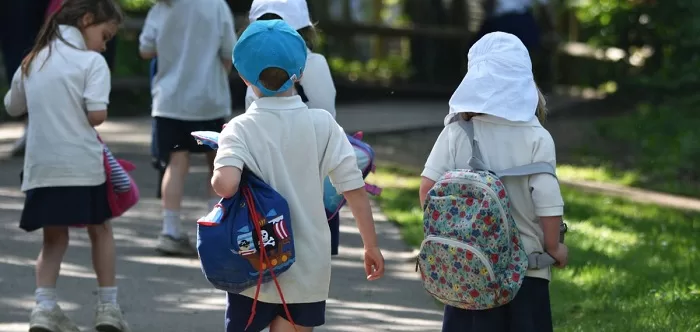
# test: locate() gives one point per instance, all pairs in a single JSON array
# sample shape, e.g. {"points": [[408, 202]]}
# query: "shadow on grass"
{"points": [[633, 267]]}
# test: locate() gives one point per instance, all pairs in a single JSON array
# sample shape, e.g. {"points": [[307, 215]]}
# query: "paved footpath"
{"points": [[170, 294]]}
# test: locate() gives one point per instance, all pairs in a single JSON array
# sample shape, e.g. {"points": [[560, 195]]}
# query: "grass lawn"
{"points": [[633, 267]]}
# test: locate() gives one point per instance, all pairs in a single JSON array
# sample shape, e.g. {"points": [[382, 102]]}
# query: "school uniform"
{"points": [[63, 175], [190, 89], [292, 148], [316, 87], [499, 87]]}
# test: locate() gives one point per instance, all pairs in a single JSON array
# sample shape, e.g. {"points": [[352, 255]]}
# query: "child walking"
{"points": [[193, 41], [292, 148], [499, 95], [63, 85], [316, 87]]}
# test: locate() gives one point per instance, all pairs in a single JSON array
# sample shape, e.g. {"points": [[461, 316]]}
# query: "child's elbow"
{"points": [[96, 118], [224, 186]]}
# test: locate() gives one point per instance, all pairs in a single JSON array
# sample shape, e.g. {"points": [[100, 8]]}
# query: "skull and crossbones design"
{"points": [[267, 240]]}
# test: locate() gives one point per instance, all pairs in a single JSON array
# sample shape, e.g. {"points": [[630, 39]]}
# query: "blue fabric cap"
{"points": [[270, 44]]}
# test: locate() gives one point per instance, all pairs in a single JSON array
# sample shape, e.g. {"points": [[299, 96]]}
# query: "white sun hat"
{"points": [[294, 12], [498, 82]]}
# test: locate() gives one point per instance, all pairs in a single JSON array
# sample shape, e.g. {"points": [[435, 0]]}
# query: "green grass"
{"points": [[598, 174], [633, 267]]}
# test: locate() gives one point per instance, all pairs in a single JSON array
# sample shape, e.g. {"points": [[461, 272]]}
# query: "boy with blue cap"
{"points": [[292, 148]]}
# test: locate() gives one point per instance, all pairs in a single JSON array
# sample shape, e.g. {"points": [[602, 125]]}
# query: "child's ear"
{"points": [[87, 20]]}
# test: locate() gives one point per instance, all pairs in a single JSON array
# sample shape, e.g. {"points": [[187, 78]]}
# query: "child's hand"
{"points": [[374, 263], [561, 255]]}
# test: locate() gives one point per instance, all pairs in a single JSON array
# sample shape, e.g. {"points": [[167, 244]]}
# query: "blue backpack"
{"points": [[230, 237]]}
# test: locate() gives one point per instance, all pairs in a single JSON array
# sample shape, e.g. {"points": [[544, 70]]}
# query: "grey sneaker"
{"points": [[109, 318], [42, 320], [181, 246]]}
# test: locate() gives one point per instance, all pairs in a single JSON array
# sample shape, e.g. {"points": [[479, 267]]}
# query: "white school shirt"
{"points": [[190, 38], [505, 144], [316, 81], [293, 148], [514, 6], [62, 146]]}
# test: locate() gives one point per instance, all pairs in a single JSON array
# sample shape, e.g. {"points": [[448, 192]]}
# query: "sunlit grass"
{"points": [[598, 174], [633, 267]]}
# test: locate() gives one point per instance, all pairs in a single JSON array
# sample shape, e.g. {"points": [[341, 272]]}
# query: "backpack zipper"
{"points": [[465, 246], [492, 193]]}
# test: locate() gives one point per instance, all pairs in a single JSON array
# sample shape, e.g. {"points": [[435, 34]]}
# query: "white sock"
{"points": [[171, 223], [107, 295], [46, 298], [213, 201]]}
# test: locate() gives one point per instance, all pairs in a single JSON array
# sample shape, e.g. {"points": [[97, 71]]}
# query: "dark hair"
{"points": [[71, 12], [308, 33], [273, 78]]}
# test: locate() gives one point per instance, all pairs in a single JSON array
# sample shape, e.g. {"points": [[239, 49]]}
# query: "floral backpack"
{"points": [[472, 257]]}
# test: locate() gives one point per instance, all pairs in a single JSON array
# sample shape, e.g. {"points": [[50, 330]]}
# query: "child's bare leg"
{"points": [[282, 325], [213, 197], [108, 316], [103, 254], [47, 315], [48, 265], [173, 240]]}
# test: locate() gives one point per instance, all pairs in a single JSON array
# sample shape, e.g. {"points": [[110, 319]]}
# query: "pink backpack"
{"points": [[122, 192]]}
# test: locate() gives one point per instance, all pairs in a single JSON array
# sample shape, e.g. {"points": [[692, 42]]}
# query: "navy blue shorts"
{"points": [[239, 306], [528, 312], [170, 135], [65, 206], [334, 224]]}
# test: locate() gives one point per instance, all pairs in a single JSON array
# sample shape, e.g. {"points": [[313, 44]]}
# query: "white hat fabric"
{"points": [[498, 82], [294, 12]]}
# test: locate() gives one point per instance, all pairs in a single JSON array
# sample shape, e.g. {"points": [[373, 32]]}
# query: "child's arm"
{"points": [[547, 199], [228, 37], [358, 201], [318, 84], [439, 161], [346, 177], [229, 162], [97, 88], [147, 39], [15, 99]]}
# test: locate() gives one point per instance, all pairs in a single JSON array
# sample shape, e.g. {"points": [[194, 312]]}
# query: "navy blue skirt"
{"points": [[65, 206], [528, 312]]}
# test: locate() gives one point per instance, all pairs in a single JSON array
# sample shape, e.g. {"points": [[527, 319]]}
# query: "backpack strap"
{"points": [[476, 161], [536, 260]]}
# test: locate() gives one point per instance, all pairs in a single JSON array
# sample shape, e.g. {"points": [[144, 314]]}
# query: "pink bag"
{"points": [[122, 192], [53, 7]]}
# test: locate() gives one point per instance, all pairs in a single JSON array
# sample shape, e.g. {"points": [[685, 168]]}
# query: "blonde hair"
{"points": [[540, 111]]}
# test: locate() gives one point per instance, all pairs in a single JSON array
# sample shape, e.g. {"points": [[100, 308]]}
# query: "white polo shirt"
{"points": [[293, 148], [316, 81], [190, 37], [505, 144], [62, 146]]}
